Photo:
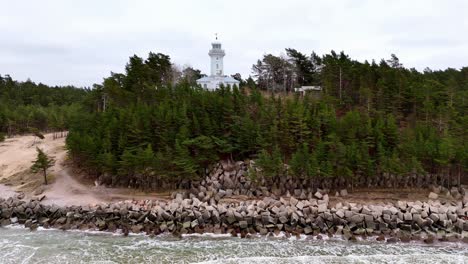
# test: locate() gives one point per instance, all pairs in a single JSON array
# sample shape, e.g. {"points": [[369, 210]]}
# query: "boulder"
{"points": [[340, 213], [5, 222], [357, 218], [283, 219], [243, 224], [231, 219], [308, 230], [293, 201], [194, 223], [433, 196], [407, 217], [322, 208], [300, 205], [344, 192], [318, 195], [137, 228], [263, 231], [325, 197]]}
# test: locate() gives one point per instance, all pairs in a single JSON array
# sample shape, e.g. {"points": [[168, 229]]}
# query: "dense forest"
{"points": [[26, 106], [148, 127]]}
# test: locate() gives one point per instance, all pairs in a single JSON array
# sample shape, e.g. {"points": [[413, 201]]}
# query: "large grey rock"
{"points": [[228, 183], [185, 225], [348, 214], [433, 196], [230, 218], [293, 201], [300, 205], [442, 217], [407, 217], [243, 224], [402, 205], [452, 217], [325, 197], [262, 231], [194, 223], [344, 192], [318, 195], [283, 219], [424, 214], [434, 217], [340, 213], [221, 193], [322, 208], [357, 218]]}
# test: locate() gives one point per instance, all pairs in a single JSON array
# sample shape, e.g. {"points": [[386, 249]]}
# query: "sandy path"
{"points": [[68, 191]]}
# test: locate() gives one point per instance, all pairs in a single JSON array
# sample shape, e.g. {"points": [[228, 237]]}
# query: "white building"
{"points": [[308, 88], [217, 76]]}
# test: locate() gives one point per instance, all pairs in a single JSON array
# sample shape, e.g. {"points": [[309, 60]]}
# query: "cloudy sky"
{"points": [[61, 42]]}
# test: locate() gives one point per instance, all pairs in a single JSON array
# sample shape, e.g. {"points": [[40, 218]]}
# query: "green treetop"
{"points": [[42, 163]]}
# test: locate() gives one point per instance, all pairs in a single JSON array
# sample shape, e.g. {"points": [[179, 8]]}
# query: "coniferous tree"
{"points": [[42, 163]]}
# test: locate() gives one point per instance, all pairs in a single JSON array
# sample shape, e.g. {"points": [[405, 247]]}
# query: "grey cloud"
{"points": [[80, 42], [32, 49]]}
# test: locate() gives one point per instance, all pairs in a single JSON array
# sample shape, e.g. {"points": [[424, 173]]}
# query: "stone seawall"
{"points": [[246, 178], [225, 179], [403, 221]]}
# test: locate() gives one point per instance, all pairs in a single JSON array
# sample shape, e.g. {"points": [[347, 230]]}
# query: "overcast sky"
{"points": [[80, 42]]}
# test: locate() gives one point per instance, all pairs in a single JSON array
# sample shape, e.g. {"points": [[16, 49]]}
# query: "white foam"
{"points": [[379, 258], [207, 235]]}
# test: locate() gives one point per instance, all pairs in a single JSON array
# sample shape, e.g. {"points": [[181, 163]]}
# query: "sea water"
{"points": [[19, 245]]}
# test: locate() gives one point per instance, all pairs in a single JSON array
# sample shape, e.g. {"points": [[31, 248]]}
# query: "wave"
{"points": [[364, 259], [18, 245], [281, 236]]}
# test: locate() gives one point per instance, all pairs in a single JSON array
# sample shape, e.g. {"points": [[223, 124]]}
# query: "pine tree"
{"points": [[303, 164], [202, 149], [42, 163], [185, 166], [270, 163], [145, 160]]}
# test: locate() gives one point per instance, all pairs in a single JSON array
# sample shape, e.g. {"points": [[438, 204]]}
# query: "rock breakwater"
{"points": [[400, 221]]}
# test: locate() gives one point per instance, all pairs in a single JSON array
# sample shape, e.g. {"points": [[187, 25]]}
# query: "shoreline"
{"points": [[427, 222], [273, 237]]}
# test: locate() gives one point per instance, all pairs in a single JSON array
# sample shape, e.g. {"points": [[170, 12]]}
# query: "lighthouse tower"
{"points": [[216, 55], [217, 77]]}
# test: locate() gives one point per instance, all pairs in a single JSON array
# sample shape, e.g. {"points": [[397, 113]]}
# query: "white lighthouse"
{"points": [[216, 55], [217, 77]]}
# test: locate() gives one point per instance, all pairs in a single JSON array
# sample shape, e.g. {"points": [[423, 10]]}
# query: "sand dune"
{"points": [[65, 188], [18, 153], [16, 157]]}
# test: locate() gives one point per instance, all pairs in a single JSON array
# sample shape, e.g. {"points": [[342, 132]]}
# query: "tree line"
{"points": [[143, 129], [25, 106]]}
